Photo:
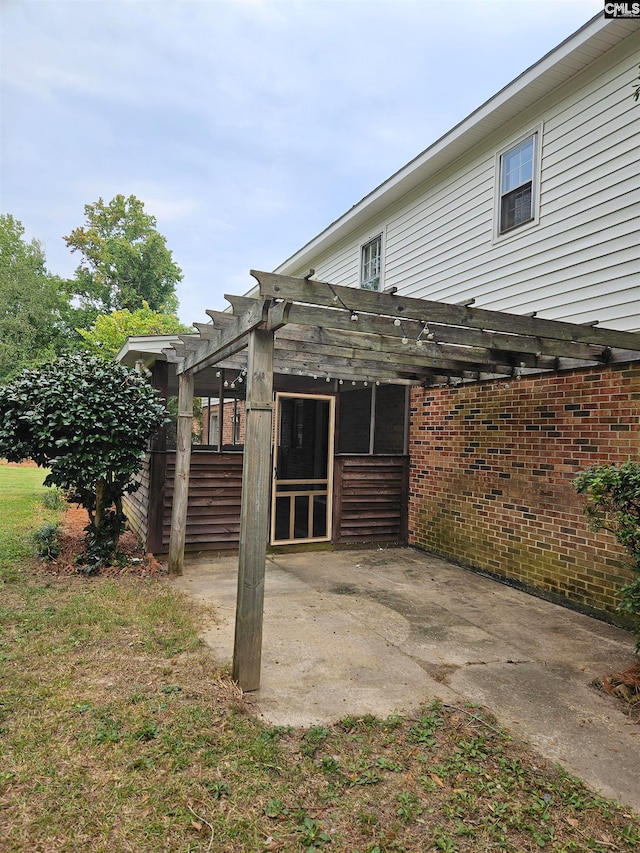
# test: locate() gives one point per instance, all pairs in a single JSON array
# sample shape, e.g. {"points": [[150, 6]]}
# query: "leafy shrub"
{"points": [[613, 504], [88, 421], [53, 498], [47, 541]]}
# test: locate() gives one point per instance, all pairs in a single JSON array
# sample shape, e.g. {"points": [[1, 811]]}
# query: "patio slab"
{"points": [[384, 630]]}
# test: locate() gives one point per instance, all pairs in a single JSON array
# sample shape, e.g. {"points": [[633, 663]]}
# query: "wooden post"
{"points": [[158, 466], [254, 514], [181, 481]]}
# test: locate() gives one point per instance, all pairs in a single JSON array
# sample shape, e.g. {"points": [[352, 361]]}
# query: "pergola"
{"points": [[323, 330]]}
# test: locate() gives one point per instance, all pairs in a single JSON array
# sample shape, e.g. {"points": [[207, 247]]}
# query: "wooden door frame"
{"points": [[330, 399]]}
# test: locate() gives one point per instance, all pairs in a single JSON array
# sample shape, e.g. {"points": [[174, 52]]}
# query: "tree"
{"points": [[88, 421], [110, 331], [613, 504], [34, 305], [125, 260]]}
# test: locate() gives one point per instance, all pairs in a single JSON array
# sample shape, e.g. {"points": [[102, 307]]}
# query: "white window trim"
{"points": [[535, 185], [369, 239]]}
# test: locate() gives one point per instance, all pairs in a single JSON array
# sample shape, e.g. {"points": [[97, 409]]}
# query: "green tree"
{"points": [[89, 421], [109, 332], [125, 260], [34, 305]]}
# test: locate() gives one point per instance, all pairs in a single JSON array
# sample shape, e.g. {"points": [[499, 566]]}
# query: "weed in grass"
{"points": [[46, 541], [53, 498], [330, 764], [424, 729], [384, 763], [107, 729], [393, 721], [366, 776], [408, 806], [218, 789], [147, 731], [275, 808], [443, 841], [312, 740], [312, 836], [276, 733], [630, 835]]}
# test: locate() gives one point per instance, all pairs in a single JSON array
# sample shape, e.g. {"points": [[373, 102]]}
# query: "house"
{"points": [[448, 354]]}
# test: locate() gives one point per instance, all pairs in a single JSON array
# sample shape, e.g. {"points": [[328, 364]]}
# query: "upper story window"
{"points": [[371, 264], [518, 184]]}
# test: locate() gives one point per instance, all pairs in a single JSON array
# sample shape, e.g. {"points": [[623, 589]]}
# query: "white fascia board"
{"points": [[147, 348], [558, 66]]}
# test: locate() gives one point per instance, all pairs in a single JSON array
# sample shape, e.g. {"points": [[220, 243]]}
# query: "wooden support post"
{"points": [[158, 466], [181, 480], [254, 514]]}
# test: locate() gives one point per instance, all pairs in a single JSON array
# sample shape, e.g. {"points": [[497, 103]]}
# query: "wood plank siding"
{"points": [[370, 503], [578, 263], [215, 488], [370, 499], [136, 505]]}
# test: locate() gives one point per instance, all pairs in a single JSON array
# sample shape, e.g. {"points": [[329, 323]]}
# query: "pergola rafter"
{"points": [[299, 326], [324, 329]]}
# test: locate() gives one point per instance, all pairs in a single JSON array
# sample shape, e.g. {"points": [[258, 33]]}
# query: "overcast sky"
{"points": [[245, 126]]}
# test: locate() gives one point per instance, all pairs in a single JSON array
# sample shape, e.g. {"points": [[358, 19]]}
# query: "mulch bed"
{"points": [[134, 559]]}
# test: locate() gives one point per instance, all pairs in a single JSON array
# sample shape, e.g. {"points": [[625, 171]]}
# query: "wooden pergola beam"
{"points": [[414, 330], [274, 286], [229, 340], [395, 362]]}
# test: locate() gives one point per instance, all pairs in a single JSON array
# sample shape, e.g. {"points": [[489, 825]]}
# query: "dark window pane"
{"points": [[390, 419], [516, 208], [354, 421]]}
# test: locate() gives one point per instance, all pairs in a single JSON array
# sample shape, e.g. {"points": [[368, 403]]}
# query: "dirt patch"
{"points": [[133, 560]]}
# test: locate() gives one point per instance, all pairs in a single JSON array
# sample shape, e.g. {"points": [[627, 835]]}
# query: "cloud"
{"points": [[245, 126]]}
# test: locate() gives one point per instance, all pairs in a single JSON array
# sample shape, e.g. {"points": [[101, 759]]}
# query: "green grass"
{"points": [[119, 732], [21, 498]]}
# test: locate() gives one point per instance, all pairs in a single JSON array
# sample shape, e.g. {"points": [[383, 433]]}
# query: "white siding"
{"points": [[581, 262]]}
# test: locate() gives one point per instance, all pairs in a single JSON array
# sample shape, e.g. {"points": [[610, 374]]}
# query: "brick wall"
{"points": [[491, 471]]}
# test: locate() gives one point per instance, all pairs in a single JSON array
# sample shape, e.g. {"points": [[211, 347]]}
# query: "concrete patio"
{"points": [[377, 631]]}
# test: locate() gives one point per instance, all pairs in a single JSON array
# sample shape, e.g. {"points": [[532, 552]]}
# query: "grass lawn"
{"points": [[118, 732]]}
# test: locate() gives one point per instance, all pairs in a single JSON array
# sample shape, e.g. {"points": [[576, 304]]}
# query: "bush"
{"points": [[47, 541], [89, 422], [53, 498], [613, 504]]}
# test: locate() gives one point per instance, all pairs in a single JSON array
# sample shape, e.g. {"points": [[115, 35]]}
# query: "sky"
{"points": [[245, 126]]}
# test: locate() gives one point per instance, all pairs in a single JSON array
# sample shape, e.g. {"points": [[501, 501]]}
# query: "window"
{"points": [[371, 264], [517, 200], [373, 420]]}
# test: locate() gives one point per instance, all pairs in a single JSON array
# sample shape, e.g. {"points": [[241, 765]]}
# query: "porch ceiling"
{"points": [[324, 330]]}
